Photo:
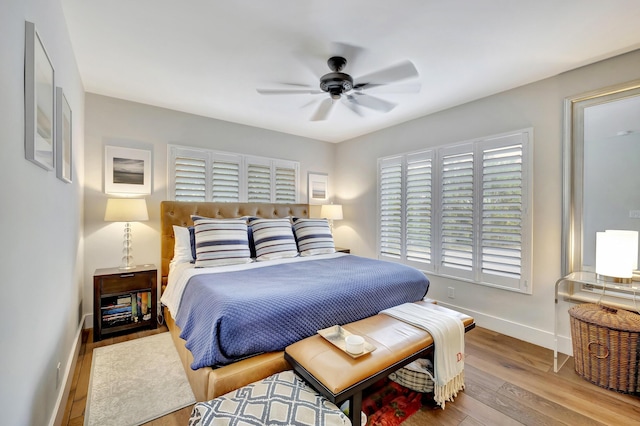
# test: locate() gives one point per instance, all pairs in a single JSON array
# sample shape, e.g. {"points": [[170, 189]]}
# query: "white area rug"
{"points": [[136, 381]]}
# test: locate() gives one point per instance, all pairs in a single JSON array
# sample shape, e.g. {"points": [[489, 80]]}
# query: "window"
{"points": [[460, 210], [204, 175]]}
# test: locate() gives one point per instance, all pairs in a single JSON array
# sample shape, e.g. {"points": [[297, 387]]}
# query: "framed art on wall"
{"points": [[127, 171], [39, 101], [318, 188], [63, 137]]}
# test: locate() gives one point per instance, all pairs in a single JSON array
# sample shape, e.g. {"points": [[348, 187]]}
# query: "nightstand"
{"points": [[342, 250], [124, 300]]}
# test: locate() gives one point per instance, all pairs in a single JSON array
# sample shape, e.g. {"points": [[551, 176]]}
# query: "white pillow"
{"points": [[182, 247]]}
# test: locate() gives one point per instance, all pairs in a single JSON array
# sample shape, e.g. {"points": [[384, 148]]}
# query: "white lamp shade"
{"points": [[331, 211], [629, 239], [126, 210], [613, 258]]}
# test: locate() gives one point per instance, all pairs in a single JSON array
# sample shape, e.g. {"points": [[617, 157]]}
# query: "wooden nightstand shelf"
{"points": [[124, 300]]}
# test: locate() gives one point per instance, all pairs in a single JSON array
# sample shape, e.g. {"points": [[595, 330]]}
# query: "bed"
{"points": [[202, 302]]}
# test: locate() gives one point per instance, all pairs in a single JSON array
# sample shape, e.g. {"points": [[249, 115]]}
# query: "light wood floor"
{"points": [[508, 382]]}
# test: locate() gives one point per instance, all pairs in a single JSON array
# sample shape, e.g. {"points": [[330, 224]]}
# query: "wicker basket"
{"points": [[606, 344]]}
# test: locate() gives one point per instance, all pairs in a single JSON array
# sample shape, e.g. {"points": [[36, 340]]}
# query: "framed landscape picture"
{"points": [[127, 171], [63, 137], [39, 101], [318, 188]]}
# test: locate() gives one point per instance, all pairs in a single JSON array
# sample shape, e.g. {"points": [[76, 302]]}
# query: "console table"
{"points": [[570, 289]]}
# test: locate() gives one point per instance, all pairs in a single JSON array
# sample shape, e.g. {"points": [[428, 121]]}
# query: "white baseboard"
{"points": [[88, 320], [63, 393], [512, 329]]}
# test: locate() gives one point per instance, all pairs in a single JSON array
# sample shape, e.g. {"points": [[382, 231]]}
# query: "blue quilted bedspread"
{"points": [[228, 316]]}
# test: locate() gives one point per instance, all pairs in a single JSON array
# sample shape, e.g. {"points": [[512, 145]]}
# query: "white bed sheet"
{"points": [[180, 273]]}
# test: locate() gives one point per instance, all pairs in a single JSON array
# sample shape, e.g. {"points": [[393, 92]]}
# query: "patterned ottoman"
{"points": [[281, 399]]}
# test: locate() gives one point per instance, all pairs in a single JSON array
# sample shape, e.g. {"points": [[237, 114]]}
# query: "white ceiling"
{"points": [[207, 57]]}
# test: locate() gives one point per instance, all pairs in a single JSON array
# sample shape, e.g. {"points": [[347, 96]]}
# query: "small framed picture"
{"points": [[318, 188], [63, 137], [127, 171], [39, 101]]}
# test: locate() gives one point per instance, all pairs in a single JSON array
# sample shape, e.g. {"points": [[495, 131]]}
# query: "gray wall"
{"points": [[538, 105], [111, 121], [40, 228]]}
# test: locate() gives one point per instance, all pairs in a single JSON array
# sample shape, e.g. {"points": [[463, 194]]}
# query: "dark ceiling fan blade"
{"points": [[401, 71], [372, 102], [323, 110]]}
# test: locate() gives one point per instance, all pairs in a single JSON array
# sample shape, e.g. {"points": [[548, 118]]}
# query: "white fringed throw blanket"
{"points": [[448, 338]]}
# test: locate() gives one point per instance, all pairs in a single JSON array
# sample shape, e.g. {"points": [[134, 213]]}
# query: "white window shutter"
{"points": [[419, 207], [225, 178], [390, 208], [461, 210], [258, 180], [457, 198], [504, 221], [286, 179], [197, 174], [189, 175]]}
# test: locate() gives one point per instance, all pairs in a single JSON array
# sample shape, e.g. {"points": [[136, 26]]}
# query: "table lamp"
{"points": [[331, 212], [617, 255], [126, 210]]}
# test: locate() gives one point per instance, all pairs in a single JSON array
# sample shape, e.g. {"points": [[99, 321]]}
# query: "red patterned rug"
{"points": [[386, 403]]}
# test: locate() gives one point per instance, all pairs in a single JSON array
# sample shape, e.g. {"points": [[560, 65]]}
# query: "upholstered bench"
{"points": [[283, 398], [340, 377]]}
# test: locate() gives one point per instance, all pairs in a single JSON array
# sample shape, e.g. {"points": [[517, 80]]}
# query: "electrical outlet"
{"points": [[451, 293], [58, 376], [634, 214]]}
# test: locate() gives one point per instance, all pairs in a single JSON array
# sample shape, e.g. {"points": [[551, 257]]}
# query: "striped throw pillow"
{"points": [[221, 242], [273, 238], [313, 236]]}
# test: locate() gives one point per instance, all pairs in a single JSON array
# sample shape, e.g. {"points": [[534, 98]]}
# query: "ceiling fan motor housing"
{"points": [[336, 82]]}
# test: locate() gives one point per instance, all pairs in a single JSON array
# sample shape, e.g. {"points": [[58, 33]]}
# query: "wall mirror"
{"points": [[601, 162]]}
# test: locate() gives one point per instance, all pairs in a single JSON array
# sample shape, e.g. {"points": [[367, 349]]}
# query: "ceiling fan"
{"points": [[352, 92]]}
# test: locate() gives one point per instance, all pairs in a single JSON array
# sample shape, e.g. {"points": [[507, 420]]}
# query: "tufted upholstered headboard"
{"points": [[179, 213]]}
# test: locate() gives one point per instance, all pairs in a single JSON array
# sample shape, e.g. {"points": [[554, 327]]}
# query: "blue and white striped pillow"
{"points": [[221, 242], [313, 236], [273, 238]]}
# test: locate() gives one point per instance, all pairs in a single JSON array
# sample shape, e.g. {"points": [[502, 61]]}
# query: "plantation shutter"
{"points": [[189, 175], [418, 207], [390, 210], [504, 206], [204, 175], [461, 211], [286, 176], [258, 181], [456, 228], [225, 179]]}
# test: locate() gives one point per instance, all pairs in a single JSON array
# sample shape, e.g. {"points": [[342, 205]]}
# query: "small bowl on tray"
{"points": [[337, 335]]}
